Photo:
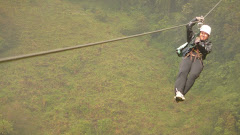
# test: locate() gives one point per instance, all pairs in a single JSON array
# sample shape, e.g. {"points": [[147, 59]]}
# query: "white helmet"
{"points": [[206, 28]]}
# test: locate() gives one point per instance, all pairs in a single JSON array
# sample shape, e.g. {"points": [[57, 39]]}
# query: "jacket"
{"points": [[204, 47]]}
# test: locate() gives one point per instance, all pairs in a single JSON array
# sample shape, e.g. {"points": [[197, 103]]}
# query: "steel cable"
{"points": [[92, 44]]}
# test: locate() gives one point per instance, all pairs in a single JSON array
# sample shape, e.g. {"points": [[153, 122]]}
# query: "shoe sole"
{"points": [[179, 99]]}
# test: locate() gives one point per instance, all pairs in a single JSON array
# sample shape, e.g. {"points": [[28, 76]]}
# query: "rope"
{"points": [[92, 44]]}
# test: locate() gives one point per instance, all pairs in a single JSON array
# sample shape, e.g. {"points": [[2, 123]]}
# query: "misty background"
{"points": [[124, 87]]}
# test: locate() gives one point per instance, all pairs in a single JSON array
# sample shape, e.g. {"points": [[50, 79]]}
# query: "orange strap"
{"points": [[198, 54]]}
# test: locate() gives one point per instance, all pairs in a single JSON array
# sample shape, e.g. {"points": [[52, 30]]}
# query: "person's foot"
{"points": [[179, 96]]}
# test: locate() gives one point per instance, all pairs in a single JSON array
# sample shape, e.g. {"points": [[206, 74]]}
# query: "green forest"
{"points": [[119, 88]]}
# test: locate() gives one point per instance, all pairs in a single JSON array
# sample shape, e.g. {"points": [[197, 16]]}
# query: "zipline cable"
{"points": [[92, 44], [212, 8], [81, 46]]}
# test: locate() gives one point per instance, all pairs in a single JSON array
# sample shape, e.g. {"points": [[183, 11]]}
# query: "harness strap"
{"points": [[198, 55]]}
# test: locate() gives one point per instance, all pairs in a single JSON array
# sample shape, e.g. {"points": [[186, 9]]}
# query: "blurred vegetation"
{"points": [[124, 87]]}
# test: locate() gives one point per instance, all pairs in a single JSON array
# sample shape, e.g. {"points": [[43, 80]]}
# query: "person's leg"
{"points": [[184, 69], [195, 71]]}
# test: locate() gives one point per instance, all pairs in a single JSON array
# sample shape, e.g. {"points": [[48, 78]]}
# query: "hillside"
{"points": [[124, 87]]}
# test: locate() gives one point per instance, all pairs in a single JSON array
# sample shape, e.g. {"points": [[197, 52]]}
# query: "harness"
{"points": [[194, 53]]}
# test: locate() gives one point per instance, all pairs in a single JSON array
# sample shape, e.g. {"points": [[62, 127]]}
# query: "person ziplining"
{"points": [[193, 52]]}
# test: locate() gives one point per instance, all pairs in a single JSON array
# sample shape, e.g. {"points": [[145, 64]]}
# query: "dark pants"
{"points": [[190, 69]]}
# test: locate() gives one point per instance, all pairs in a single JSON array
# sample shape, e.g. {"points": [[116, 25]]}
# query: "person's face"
{"points": [[203, 36]]}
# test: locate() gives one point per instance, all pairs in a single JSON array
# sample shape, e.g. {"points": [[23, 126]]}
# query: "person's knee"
{"points": [[182, 74], [193, 76]]}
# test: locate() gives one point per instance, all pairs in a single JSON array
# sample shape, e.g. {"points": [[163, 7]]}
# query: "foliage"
{"points": [[123, 87], [6, 127]]}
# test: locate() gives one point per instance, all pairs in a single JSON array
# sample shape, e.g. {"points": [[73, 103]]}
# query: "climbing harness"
{"points": [[92, 44], [194, 53]]}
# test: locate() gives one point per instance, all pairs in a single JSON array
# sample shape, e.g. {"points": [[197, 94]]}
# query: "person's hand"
{"points": [[200, 19], [197, 40]]}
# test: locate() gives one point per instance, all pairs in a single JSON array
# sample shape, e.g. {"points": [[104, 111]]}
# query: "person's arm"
{"points": [[205, 47], [189, 26], [190, 33]]}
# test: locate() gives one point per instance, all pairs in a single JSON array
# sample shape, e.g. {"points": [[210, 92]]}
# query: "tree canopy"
{"points": [[124, 87]]}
